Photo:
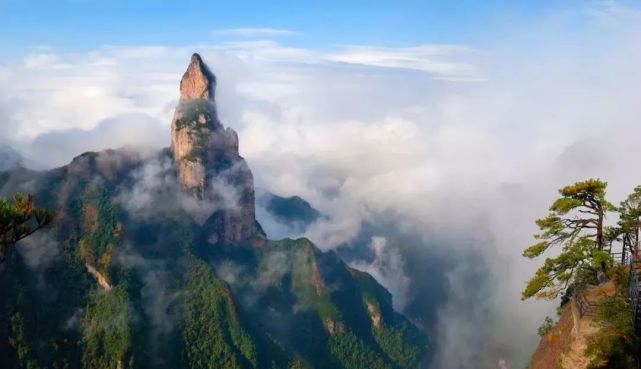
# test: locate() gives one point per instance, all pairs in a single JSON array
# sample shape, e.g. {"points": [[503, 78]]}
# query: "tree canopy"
{"points": [[19, 218], [630, 219], [575, 225]]}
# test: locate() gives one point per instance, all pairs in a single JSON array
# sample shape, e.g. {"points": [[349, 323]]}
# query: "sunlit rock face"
{"points": [[206, 156], [198, 82]]}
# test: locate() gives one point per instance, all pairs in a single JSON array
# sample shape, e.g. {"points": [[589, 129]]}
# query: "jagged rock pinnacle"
{"points": [[206, 157], [198, 82]]}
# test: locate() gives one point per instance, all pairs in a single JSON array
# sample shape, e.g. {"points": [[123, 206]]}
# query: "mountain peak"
{"points": [[206, 157], [196, 57], [198, 82]]}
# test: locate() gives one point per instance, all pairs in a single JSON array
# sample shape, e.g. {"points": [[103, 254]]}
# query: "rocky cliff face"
{"points": [[198, 82], [206, 156], [564, 347]]}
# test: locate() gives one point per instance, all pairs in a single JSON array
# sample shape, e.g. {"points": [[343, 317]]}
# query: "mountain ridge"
{"points": [[193, 281]]}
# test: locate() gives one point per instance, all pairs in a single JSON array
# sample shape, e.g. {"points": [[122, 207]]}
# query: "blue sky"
{"points": [[73, 25]]}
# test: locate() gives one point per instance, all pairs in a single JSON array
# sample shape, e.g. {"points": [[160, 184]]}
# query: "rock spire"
{"points": [[198, 82], [206, 157]]}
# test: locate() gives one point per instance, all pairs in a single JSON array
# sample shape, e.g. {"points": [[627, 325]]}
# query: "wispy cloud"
{"points": [[436, 59], [613, 12], [255, 32], [269, 50], [40, 60], [444, 62]]}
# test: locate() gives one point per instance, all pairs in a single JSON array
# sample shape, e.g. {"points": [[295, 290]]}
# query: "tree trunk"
{"points": [[599, 235], [599, 231], [636, 238]]}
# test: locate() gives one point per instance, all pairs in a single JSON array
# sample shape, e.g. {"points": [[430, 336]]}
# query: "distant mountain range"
{"points": [[9, 158]]}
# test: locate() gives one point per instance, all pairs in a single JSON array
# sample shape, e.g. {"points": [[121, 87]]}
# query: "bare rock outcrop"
{"points": [[102, 281], [374, 313], [198, 82]]}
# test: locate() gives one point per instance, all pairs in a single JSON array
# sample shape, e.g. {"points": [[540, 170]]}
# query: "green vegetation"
{"points": [[292, 209], [309, 285], [396, 337], [546, 327], [20, 342], [354, 340], [100, 228], [575, 225], [308, 310], [615, 345], [401, 343], [190, 111], [107, 337], [199, 116], [213, 335], [352, 353], [627, 230], [199, 143], [18, 219]]}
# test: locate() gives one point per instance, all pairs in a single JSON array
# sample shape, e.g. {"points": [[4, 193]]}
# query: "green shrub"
{"points": [[546, 327], [615, 344]]}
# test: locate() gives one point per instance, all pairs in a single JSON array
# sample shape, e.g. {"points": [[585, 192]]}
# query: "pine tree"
{"points": [[630, 219], [575, 224], [19, 218]]}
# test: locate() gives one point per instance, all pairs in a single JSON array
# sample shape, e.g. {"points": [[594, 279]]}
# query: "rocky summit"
{"points": [[206, 154], [157, 261], [198, 82]]}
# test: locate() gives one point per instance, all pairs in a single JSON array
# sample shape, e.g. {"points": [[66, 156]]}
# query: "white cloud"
{"points": [[155, 179], [427, 58], [388, 268], [126, 130], [39, 251], [614, 13], [268, 50], [255, 32], [440, 61], [40, 60], [87, 88]]}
